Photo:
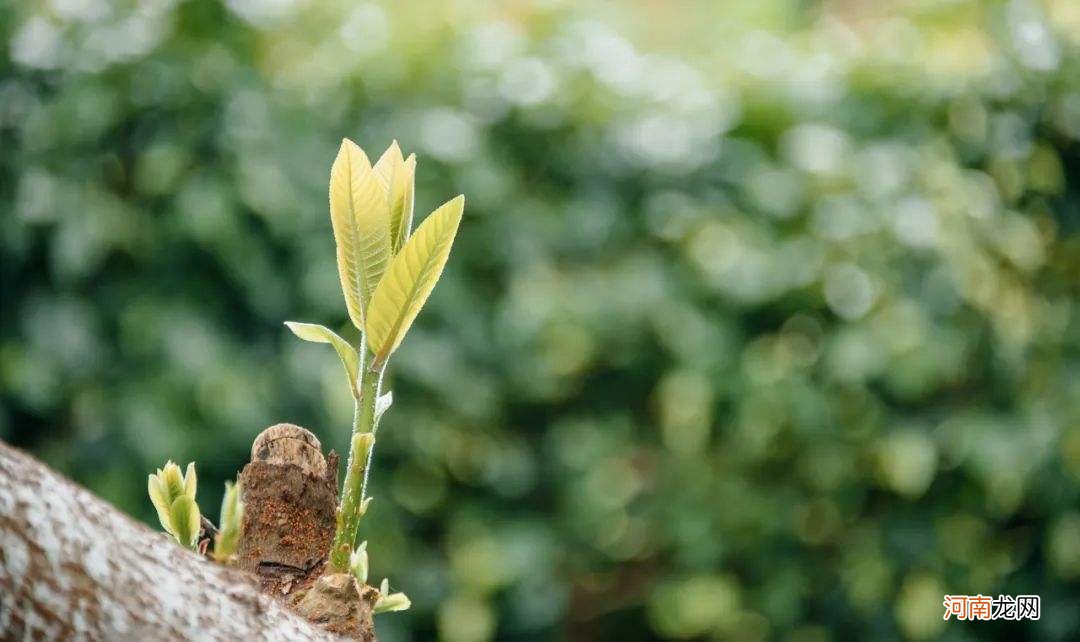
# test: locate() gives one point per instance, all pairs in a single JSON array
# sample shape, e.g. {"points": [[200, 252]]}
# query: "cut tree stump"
{"points": [[72, 567], [290, 494]]}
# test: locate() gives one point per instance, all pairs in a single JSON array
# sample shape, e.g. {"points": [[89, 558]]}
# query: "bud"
{"points": [[382, 404], [190, 480], [362, 444], [358, 563], [172, 478], [390, 602], [232, 516], [173, 496]]}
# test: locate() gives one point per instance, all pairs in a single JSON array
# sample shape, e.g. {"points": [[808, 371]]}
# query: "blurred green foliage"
{"points": [[761, 323]]}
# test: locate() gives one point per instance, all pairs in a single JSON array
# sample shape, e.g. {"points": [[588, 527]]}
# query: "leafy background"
{"points": [[761, 324]]}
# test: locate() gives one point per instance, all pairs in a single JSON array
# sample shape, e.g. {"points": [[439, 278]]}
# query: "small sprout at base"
{"points": [[358, 563], [389, 602], [232, 516], [173, 496]]}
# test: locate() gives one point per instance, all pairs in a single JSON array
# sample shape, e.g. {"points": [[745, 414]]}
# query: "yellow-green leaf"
{"points": [[232, 509], [186, 520], [409, 280], [320, 334], [398, 178], [358, 563], [159, 497], [402, 226], [360, 215], [390, 603], [172, 480], [190, 480], [390, 162], [232, 517]]}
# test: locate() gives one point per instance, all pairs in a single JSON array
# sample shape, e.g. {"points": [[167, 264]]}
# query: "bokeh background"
{"points": [[762, 322]]}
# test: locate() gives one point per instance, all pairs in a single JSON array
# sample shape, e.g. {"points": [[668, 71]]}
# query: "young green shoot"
{"points": [[387, 273], [173, 496], [358, 563], [232, 516], [389, 602]]}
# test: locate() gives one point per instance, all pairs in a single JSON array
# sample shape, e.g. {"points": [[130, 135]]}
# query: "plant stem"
{"points": [[351, 508], [374, 430]]}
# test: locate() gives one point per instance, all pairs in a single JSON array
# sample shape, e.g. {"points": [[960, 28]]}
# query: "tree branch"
{"points": [[74, 567]]}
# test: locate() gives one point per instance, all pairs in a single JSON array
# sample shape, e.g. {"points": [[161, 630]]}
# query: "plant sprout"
{"points": [[387, 273], [232, 516], [173, 496], [389, 602]]}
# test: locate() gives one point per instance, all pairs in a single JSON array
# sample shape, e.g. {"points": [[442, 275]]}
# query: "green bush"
{"points": [[761, 322]]}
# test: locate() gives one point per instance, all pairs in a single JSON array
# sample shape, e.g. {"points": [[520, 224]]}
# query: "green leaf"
{"points": [[386, 167], [360, 216], [172, 480], [398, 177], [388, 603], [168, 484], [186, 520], [409, 280], [321, 334], [190, 480], [159, 497], [232, 509], [401, 227], [358, 563], [232, 517]]}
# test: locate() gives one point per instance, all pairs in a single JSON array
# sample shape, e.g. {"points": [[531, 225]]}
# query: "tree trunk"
{"points": [[74, 568]]}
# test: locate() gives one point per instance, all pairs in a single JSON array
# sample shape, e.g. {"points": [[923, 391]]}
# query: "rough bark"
{"points": [[74, 568], [290, 499], [339, 603]]}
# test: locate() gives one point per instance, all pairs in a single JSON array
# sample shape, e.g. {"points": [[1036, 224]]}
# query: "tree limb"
{"points": [[72, 567]]}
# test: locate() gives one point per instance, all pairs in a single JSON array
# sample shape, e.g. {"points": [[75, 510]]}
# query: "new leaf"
{"points": [[360, 216], [320, 334], [398, 178], [409, 280]]}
